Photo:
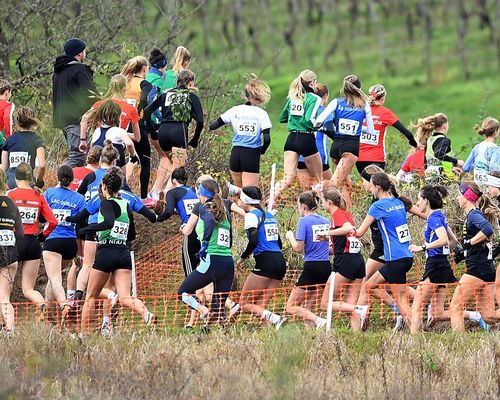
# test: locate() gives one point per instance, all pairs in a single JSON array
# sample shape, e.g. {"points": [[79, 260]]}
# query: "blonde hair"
{"points": [[488, 127], [257, 92], [376, 93], [426, 127], [117, 86], [297, 90], [181, 56], [134, 66], [353, 95]]}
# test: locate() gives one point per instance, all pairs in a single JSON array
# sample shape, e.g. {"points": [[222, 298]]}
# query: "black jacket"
{"points": [[72, 84]]}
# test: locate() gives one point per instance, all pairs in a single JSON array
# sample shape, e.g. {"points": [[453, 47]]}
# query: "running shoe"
{"points": [[321, 323], [114, 299], [233, 311], [150, 202], [106, 330], [400, 323], [430, 319], [484, 326], [278, 324], [362, 311], [150, 319]]}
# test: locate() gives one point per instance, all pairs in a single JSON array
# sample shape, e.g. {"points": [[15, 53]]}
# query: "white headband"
{"points": [[247, 199], [492, 181]]}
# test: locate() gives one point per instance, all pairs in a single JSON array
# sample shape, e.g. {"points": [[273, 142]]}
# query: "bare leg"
{"points": [[7, 276], [424, 292], [465, 291], [237, 178], [29, 275], [249, 179], [290, 170]]}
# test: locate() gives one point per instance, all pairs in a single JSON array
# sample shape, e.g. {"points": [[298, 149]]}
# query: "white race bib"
{"points": [[119, 231], [446, 250], [223, 238], [296, 108], [490, 251], [271, 232], [189, 205], [29, 215], [403, 233], [61, 215], [354, 244], [480, 177], [247, 128], [317, 229], [17, 157], [370, 138], [348, 126], [7, 238]]}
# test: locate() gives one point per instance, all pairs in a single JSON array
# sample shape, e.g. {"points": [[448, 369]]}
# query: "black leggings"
{"points": [[143, 150], [220, 271]]}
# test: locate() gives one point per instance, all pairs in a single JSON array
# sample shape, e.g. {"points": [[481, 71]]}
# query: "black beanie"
{"points": [[74, 46]]}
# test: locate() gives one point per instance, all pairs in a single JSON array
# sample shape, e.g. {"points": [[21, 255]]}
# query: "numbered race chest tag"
{"points": [[223, 238], [319, 229], [189, 205], [247, 128], [403, 233], [120, 231], [18, 157], [7, 238], [296, 108], [370, 138], [271, 232], [61, 216], [354, 244], [29, 215], [348, 126]]}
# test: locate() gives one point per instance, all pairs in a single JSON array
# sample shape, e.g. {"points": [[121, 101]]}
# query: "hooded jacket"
{"points": [[72, 84]]}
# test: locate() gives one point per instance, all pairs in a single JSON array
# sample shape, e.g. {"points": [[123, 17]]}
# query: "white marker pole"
{"points": [[271, 191], [134, 280], [329, 312]]}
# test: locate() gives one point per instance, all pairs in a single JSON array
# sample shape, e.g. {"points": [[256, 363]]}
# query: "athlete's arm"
{"points": [[364, 226], [253, 241], [169, 206], [18, 227], [197, 115], [284, 112], [370, 128], [136, 132], [150, 215], [452, 238], [216, 124], [442, 146], [84, 186], [415, 211], [150, 109], [329, 109], [108, 213], [40, 155], [5, 160], [80, 217], [469, 163], [343, 230], [83, 127], [401, 128], [48, 215], [237, 209], [209, 225], [297, 245], [266, 140], [188, 228]]}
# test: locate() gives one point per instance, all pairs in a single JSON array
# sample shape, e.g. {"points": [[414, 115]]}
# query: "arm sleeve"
{"points": [[108, 213], [80, 217], [47, 213], [84, 186], [266, 140], [370, 128], [19, 231], [146, 212], [284, 112], [253, 241], [150, 109], [481, 223], [326, 112], [143, 100], [197, 115], [169, 206], [216, 124], [441, 147], [209, 221], [401, 128], [469, 163]]}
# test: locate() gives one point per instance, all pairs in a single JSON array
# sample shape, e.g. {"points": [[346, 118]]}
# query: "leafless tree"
{"points": [[462, 23], [381, 40]]}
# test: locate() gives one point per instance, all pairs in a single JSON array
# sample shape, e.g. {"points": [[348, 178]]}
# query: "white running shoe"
{"points": [[362, 311], [278, 324], [400, 323], [106, 330], [321, 323], [234, 309], [114, 299], [150, 319]]}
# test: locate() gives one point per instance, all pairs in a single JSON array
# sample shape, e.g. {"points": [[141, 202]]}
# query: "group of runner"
{"points": [[89, 220]]}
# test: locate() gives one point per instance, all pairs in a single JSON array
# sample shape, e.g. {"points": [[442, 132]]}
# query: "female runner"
{"points": [[32, 206], [264, 243], [182, 60], [251, 127], [317, 267], [300, 110], [493, 187]]}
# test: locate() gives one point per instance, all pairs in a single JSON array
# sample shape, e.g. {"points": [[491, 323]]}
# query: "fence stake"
{"points": [[329, 312], [271, 191], [134, 280]]}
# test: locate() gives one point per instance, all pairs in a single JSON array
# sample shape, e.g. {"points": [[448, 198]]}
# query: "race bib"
{"points": [[348, 126], [119, 231], [7, 238], [317, 229], [189, 205], [61, 215], [354, 244], [490, 250], [271, 232], [480, 177], [17, 157], [296, 108], [223, 238], [132, 102], [446, 250], [403, 233], [247, 128], [29, 215], [370, 138]]}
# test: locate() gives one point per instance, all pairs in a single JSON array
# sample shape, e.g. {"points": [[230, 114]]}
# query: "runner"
{"points": [[481, 218], [60, 247], [216, 263], [348, 263], [251, 128], [321, 142], [317, 267], [264, 243], [349, 112], [179, 107], [11, 231], [156, 74], [477, 160], [433, 131], [182, 60], [390, 213], [112, 255], [493, 187], [300, 110], [372, 146], [32, 207], [24, 146], [6, 110]]}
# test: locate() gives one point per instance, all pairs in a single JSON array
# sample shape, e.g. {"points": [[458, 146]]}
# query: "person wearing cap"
{"points": [[264, 243], [72, 90], [476, 282], [349, 112]]}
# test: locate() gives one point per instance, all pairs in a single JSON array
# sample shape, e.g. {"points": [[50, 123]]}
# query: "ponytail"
{"points": [[352, 93], [426, 127], [298, 88], [217, 205], [109, 153], [65, 176], [181, 57], [108, 113], [310, 200], [117, 86], [257, 92], [134, 66], [334, 195], [25, 118], [488, 128], [376, 92]]}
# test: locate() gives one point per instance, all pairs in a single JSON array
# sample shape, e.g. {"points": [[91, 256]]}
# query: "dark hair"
{"points": [[24, 172], [216, 205], [113, 180], [255, 193], [435, 195], [108, 113], [321, 90], [309, 199], [334, 195], [109, 154], [180, 175], [25, 118], [157, 58], [4, 86], [65, 175], [94, 155], [385, 183], [184, 78], [490, 211]]}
